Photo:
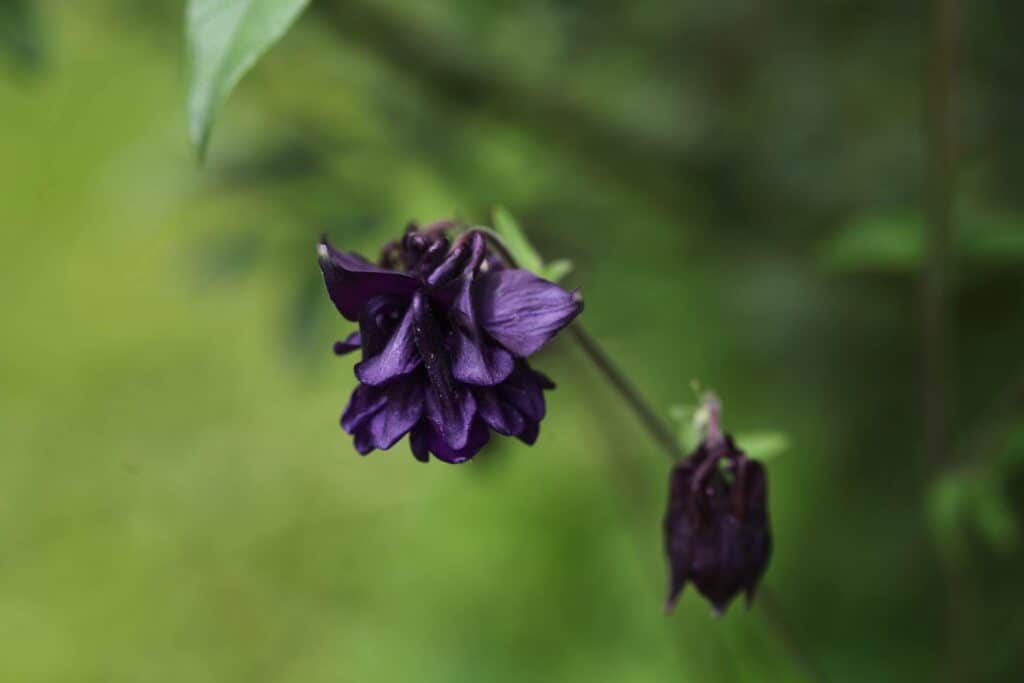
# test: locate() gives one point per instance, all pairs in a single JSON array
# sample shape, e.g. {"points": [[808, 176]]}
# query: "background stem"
{"points": [[940, 187], [655, 427]]}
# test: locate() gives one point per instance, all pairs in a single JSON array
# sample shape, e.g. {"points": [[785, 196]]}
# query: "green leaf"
{"points": [[972, 501], [516, 242], [994, 518], [889, 243], [557, 270], [689, 432], [763, 445], [946, 502], [892, 242], [225, 38]]}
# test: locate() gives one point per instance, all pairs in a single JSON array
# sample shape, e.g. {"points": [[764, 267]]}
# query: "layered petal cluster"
{"points": [[444, 332], [716, 527]]}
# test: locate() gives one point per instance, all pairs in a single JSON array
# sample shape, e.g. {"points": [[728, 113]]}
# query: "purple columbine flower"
{"points": [[717, 533], [445, 331]]}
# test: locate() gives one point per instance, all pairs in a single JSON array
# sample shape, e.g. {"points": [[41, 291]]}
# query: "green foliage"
{"points": [[688, 432], [519, 247], [972, 503], [889, 243], [558, 269], [225, 38], [763, 445], [691, 423], [892, 242], [683, 154], [21, 39], [946, 504]]}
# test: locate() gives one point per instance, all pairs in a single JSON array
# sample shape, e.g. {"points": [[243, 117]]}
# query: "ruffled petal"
{"points": [[530, 433], [363, 441], [377, 322], [398, 357], [349, 344], [450, 407], [418, 442], [522, 311], [477, 438], [464, 258], [499, 415], [363, 404], [474, 359], [524, 390], [451, 419], [351, 280], [400, 413]]}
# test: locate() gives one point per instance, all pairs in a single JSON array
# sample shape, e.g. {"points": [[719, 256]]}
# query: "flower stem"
{"points": [[769, 606], [648, 417]]}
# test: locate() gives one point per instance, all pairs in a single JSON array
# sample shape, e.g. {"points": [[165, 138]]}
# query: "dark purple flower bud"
{"points": [[444, 331], [717, 534]]}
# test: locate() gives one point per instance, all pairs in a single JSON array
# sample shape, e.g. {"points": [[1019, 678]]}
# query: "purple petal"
{"points": [[351, 280], [452, 421], [400, 413], [522, 311], [418, 443], [365, 401], [475, 361], [449, 407], [530, 433], [524, 390], [377, 322], [349, 344], [478, 437], [499, 415], [363, 441], [464, 258], [398, 357]]}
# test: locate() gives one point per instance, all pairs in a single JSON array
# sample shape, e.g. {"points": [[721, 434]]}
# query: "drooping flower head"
{"points": [[445, 330], [717, 533]]}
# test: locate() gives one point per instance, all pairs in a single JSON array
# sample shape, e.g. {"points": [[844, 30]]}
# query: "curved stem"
{"points": [[667, 440], [660, 433], [648, 417]]}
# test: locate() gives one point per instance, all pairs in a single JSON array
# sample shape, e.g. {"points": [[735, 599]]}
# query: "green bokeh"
{"points": [[177, 502]]}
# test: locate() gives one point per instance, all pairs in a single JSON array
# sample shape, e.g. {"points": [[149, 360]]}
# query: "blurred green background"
{"points": [[740, 185]]}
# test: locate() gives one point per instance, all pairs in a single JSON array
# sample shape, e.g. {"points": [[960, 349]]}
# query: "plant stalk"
{"points": [[769, 606], [647, 416]]}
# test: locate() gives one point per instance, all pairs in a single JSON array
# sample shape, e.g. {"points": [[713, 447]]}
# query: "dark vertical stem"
{"points": [[654, 425], [940, 179], [940, 185]]}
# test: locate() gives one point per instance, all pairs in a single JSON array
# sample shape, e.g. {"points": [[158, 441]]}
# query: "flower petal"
{"points": [[365, 402], [530, 433], [398, 357], [418, 442], [400, 413], [522, 311], [449, 407], [363, 441], [477, 438], [351, 280], [349, 344], [464, 258], [524, 390], [452, 419], [499, 415], [377, 322], [475, 361]]}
